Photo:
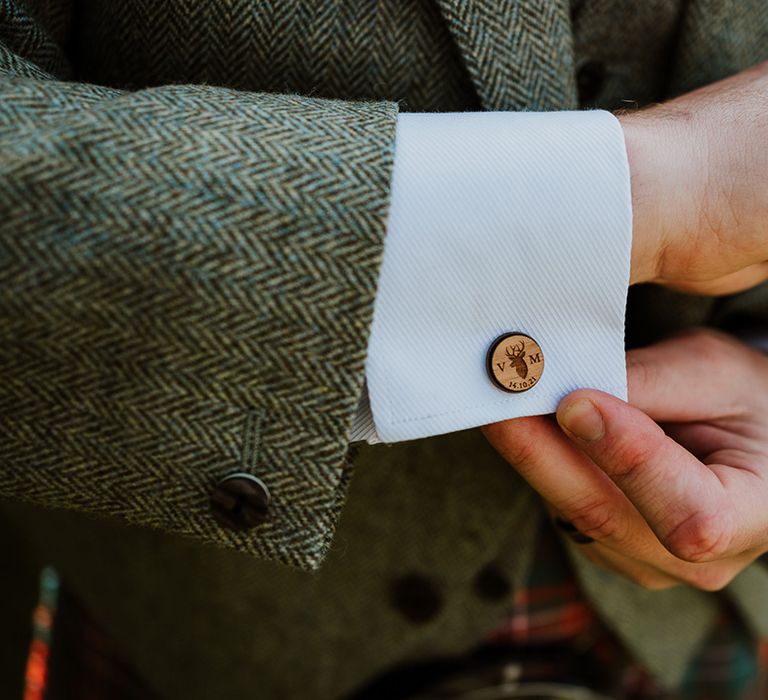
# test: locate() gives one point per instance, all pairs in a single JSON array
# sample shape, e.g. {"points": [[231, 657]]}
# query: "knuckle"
{"points": [[643, 370], [701, 537], [521, 452], [710, 578], [629, 457], [598, 519], [709, 343], [517, 441]]}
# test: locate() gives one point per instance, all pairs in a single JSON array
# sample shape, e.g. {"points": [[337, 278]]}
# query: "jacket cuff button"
{"points": [[240, 502]]}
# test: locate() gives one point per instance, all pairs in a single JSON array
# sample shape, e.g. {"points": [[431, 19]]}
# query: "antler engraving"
{"points": [[516, 355]]}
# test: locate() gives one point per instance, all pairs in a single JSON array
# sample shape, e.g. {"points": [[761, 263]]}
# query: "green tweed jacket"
{"points": [[193, 198]]}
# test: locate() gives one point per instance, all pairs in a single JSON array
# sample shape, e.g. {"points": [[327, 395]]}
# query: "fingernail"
{"points": [[583, 420]]}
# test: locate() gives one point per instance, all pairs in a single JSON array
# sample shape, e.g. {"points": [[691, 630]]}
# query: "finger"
{"points": [[642, 574], [692, 376], [655, 568], [567, 479], [669, 571], [702, 439], [738, 281], [682, 500]]}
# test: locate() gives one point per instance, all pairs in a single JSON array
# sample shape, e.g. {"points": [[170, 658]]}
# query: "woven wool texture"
{"points": [[138, 333], [193, 198], [174, 259], [191, 233]]}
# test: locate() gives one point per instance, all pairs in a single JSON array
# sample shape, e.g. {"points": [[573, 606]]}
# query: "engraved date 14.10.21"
{"points": [[515, 362]]}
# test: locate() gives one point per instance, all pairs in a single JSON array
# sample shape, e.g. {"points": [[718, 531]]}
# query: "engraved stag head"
{"points": [[516, 355]]}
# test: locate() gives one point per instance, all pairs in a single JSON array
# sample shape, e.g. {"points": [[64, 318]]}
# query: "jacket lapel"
{"points": [[519, 53]]}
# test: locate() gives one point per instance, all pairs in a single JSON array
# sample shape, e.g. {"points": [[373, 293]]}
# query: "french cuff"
{"points": [[500, 223]]}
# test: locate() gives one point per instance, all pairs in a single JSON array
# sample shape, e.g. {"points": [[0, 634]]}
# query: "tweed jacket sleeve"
{"points": [[188, 276]]}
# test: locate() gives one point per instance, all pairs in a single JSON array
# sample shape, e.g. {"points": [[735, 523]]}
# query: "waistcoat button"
{"points": [[417, 598]]}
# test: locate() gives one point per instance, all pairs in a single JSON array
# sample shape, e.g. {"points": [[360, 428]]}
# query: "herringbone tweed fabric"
{"points": [[519, 53], [189, 231], [192, 202], [175, 260], [395, 49]]}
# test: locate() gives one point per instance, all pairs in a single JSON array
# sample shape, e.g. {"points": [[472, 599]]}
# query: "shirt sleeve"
{"points": [[499, 223]]}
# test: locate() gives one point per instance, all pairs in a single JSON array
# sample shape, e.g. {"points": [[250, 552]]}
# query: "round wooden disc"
{"points": [[515, 362]]}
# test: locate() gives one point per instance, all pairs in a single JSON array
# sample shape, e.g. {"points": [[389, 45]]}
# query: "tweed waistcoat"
{"points": [[193, 200]]}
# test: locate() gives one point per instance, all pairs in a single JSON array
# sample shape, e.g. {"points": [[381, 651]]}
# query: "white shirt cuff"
{"points": [[499, 222]]}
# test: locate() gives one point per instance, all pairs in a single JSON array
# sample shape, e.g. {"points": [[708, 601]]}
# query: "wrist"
{"points": [[661, 183]]}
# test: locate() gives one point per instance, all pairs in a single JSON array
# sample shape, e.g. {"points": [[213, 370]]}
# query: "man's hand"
{"points": [[699, 168], [686, 503]]}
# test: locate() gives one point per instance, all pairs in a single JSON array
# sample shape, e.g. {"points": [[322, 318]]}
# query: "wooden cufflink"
{"points": [[515, 362]]}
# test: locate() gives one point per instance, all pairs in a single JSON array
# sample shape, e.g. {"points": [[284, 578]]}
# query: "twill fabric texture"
{"points": [[499, 222], [193, 197]]}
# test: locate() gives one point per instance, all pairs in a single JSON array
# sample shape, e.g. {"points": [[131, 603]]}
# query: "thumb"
{"points": [[682, 500]]}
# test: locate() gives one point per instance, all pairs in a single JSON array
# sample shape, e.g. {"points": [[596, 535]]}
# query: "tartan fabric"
{"points": [[551, 612], [550, 627], [147, 311], [86, 663]]}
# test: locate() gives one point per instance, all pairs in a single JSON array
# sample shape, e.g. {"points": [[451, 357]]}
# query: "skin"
{"points": [[673, 485], [698, 166]]}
